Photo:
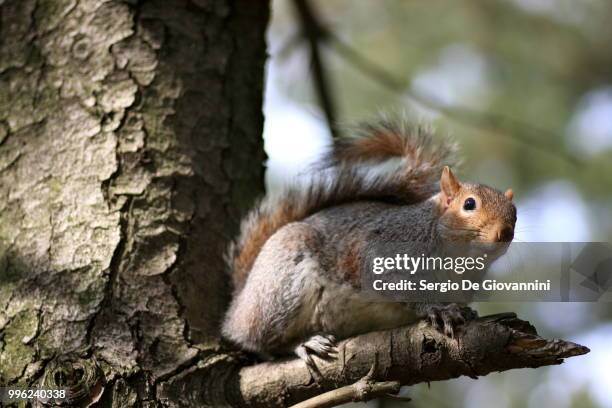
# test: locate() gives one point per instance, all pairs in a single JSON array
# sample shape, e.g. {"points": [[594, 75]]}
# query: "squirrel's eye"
{"points": [[469, 204]]}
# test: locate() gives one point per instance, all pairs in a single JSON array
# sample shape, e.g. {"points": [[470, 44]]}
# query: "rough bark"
{"points": [[130, 144]]}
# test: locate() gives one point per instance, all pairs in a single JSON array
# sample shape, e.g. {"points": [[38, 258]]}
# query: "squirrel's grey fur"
{"points": [[296, 265]]}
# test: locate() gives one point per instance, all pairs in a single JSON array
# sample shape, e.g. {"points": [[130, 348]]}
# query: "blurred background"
{"points": [[524, 86]]}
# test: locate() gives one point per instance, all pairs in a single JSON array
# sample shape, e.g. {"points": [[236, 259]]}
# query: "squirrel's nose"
{"points": [[505, 234]]}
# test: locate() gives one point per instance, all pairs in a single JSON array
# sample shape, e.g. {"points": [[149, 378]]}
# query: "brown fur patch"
{"points": [[350, 262]]}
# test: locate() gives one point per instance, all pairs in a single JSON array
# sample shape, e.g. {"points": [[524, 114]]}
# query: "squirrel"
{"points": [[296, 263]]}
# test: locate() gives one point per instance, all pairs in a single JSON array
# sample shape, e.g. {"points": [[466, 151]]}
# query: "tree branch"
{"points": [[408, 355], [313, 33]]}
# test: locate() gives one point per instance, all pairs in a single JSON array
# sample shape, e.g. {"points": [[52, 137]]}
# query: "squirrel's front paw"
{"points": [[448, 318]]}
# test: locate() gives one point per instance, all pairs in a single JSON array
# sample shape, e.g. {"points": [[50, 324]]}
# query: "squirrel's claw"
{"points": [[447, 319], [324, 346], [432, 316], [321, 345]]}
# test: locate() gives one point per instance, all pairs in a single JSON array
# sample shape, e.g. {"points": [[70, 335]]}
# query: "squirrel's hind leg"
{"points": [[321, 345]]}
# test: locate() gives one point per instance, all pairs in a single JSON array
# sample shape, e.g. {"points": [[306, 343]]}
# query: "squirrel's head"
{"points": [[474, 212]]}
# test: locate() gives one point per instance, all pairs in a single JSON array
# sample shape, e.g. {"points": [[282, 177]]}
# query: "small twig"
{"points": [[363, 390], [314, 35]]}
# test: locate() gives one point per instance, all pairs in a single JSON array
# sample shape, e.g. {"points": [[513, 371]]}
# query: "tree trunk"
{"points": [[130, 144]]}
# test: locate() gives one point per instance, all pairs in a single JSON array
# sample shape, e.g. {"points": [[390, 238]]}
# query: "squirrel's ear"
{"points": [[509, 194], [449, 185]]}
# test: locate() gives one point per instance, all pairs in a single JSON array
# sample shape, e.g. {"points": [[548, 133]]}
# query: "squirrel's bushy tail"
{"points": [[414, 180], [375, 143]]}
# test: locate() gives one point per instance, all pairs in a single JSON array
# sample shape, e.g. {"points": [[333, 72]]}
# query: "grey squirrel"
{"points": [[296, 263]]}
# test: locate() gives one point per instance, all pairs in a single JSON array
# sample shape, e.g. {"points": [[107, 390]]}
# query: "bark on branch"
{"points": [[409, 355]]}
